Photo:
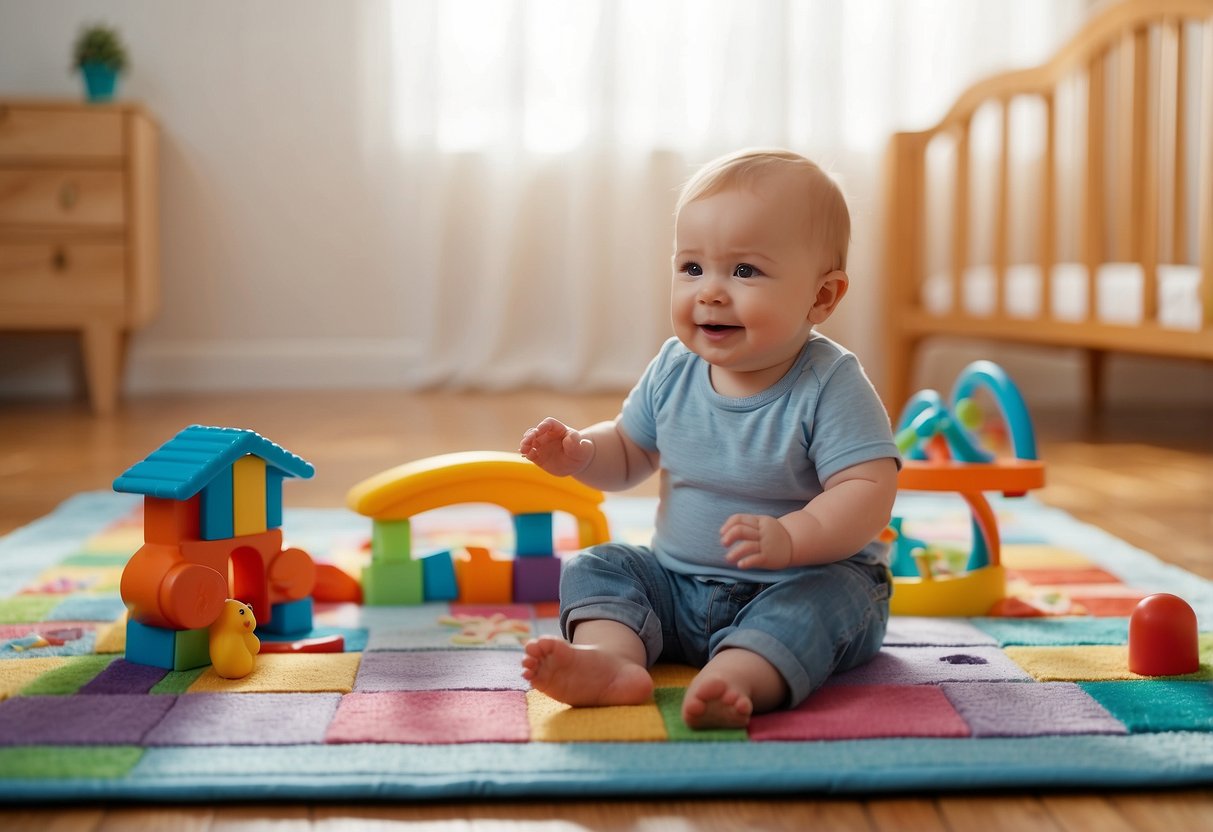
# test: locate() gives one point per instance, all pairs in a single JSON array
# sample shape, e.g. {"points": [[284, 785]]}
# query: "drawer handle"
{"points": [[69, 195], [59, 259]]}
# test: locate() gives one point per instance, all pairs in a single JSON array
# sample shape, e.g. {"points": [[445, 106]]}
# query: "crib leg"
{"points": [[1094, 369]]}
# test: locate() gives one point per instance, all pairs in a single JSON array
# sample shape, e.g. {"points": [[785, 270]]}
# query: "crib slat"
{"points": [[1179, 178], [1002, 216], [960, 216], [1148, 179], [1093, 209], [1130, 141], [1048, 213], [1205, 209]]}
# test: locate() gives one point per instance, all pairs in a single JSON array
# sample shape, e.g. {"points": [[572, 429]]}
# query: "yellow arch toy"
{"points": [[504, 479]]}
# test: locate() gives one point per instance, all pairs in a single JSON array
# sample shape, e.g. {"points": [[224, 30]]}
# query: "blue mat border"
{"points": [[415, 772]]}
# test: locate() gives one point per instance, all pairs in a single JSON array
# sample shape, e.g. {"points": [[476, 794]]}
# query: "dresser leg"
{"points": [[102, 346]]}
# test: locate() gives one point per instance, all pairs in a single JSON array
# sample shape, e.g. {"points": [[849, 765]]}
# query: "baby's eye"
{"points": [[745, 270], [693, 269]]}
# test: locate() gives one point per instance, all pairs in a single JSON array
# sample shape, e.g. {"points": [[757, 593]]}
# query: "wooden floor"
{"points": [[1144, 476]]}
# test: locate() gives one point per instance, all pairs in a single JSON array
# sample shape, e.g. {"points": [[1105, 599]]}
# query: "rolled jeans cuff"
{"points": [[639, 619]]}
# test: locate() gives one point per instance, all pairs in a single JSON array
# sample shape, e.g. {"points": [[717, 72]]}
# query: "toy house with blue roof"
{"points": [[212, 517]]}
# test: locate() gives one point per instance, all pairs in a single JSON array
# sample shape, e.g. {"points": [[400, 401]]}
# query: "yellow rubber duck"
{"points": [[232, 642]]}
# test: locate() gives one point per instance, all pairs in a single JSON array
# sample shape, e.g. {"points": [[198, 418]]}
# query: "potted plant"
{"points": [[100, 56]]}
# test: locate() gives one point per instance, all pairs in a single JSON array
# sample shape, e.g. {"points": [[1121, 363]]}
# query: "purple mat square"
{"points": [[441, 670], [920, 631], [933, 665], [121, 719], [1029, 709], [122, 676], [246, 719]]}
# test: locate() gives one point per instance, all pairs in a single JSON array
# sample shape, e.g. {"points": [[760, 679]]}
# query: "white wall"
{"points": [[275, 263], [280, 265]]}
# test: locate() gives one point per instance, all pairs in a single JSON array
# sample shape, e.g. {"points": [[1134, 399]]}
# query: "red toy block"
{"points": [[483, 579]]}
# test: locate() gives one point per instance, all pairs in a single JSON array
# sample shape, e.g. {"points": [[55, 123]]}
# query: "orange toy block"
{"points": [[170, 521], [291, 574], [336, 585], [483, 579], [162, 590]]}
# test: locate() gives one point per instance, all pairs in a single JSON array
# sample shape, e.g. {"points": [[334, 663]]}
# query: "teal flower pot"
{"points": [[99, 81]]}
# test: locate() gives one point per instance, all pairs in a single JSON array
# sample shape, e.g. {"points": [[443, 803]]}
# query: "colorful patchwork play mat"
{"points": [[427, 701]]}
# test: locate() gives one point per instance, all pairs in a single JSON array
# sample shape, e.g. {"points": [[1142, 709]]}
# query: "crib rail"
{"points": [[1133, 148]]}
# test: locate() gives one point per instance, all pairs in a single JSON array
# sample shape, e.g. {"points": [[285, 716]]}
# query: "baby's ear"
{"points": [[831, 289]]}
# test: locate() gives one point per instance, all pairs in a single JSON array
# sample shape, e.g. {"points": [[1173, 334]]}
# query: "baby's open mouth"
{"points": [[718, 327]]}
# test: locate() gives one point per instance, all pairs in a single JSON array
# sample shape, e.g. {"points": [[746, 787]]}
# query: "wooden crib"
{"points": [[1111, 205]]}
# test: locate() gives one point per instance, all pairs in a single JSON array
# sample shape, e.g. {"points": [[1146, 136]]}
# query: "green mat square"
{"points": [[43, 762], [1156, 705], [27, 609], [96, 559], [66, 680], [178, 681], [669, 703]]}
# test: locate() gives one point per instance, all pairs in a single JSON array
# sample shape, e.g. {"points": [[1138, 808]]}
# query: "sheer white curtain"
{"points": [[529, 152]]}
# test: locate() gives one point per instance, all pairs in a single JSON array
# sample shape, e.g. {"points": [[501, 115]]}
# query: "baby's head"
{"points": [[809, 191], [760, 252]]}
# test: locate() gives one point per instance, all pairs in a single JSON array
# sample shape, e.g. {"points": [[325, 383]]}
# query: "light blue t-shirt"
{"points": [[762, 454]]}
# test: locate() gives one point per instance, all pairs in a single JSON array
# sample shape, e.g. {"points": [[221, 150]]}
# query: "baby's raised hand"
{"points": [[756, 541], [557, 448]]}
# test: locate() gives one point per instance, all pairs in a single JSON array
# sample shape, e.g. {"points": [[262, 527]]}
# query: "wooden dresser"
{"points": [[79, 228]]}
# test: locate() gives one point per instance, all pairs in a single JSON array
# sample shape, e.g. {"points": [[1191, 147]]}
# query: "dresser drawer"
{"points": [[77, 274], [62, 198], [32, 133]]}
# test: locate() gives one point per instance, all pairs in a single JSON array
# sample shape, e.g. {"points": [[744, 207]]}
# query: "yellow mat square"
{"points": [[287, 673], [1030, 556], [20, 672], [81, 578], [111, 638], [553, 721], [672, 675], [1086, 663], [122, 539]]}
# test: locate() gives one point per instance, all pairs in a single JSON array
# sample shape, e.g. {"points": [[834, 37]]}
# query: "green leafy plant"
{"points": [[99, 44]]}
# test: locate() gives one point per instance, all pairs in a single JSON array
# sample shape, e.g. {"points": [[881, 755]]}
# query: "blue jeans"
{"points": [[830, 618]]}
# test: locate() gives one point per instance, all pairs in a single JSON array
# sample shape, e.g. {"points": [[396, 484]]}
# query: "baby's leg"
{"points": [[733, 685], [605, 665]]}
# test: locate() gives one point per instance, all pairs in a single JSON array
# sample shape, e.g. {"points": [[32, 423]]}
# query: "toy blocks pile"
{"points": [[471, 576]]}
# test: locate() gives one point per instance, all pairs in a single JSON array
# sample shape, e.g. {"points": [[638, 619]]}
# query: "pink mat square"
{"points": [[864, 712], [431, 716]]}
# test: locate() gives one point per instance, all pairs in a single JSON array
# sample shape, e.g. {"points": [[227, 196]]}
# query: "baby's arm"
{"points": [[852, 510], [602, 455]]}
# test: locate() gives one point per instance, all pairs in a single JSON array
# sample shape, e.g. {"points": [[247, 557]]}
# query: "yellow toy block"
{"points": [[248, 495], [516, 484], [483, 579]]}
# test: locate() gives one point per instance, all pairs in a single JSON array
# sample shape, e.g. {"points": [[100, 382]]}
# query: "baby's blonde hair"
{"points": [[830, 221]]}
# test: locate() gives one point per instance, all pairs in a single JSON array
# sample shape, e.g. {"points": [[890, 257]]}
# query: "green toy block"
{"points": [[193, 649], [391, 540], [170, 649], [393, 583]]}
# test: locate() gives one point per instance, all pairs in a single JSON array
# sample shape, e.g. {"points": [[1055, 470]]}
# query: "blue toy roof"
{"points": [[183, 466]]}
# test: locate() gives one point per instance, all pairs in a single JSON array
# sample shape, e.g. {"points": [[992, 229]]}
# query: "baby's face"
{"points": [[745, 278]]}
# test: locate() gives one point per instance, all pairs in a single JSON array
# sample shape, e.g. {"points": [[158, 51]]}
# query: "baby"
{"points": [[778, 469]]}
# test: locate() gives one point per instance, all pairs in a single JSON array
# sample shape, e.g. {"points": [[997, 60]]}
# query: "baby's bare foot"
{"points": [[714, 702], [583, 674]]}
